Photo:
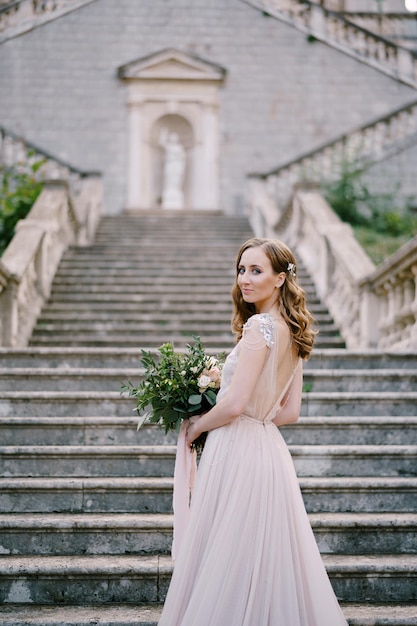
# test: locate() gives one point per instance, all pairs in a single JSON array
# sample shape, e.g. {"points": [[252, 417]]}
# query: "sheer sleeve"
{"points": [[264, 331], [258, 332]]}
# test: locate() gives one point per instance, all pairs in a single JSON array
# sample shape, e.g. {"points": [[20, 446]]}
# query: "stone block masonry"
{"points": [[282, 95]]}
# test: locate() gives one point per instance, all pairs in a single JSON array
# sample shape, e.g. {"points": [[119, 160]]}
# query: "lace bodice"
{"points": [[260, 331]]}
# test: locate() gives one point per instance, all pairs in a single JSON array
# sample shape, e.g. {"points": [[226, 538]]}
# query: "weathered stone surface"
{"points": [[86, 500]]}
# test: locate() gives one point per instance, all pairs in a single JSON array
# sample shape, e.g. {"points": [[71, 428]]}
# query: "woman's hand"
{"points": [[193, 430]]}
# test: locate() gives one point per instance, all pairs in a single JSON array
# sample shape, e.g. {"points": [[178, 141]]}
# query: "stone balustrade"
{"points": [[344, 35], [21, 16], [401, 28], [360, 149], [391, 296], [15, 150], [66, 212], [28, 265], [374, 308]]}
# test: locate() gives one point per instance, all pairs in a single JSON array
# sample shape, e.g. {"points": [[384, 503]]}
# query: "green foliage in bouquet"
{"points": [[176, 386]]}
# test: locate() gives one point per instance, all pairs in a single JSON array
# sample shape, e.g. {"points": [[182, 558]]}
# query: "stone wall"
{"points": [[282, 94], [396, 175], [387, 6]]}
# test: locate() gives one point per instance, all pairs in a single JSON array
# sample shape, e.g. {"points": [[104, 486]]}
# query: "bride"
{"points": [[248, 556]]}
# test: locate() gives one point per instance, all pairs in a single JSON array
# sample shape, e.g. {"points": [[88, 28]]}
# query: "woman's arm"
{"points": [[245, 378], [289, 411]]}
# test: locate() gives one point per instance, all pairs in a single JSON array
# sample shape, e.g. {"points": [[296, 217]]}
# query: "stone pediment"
{"points": [[171, 64]]}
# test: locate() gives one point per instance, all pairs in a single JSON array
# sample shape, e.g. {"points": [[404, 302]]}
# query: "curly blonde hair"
{"points": [[290, 297]]}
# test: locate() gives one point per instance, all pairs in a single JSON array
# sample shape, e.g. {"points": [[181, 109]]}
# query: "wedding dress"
{"points": [[249, 556]]}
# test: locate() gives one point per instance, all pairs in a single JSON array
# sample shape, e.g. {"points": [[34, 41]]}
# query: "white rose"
{"points": [[204, 382]]}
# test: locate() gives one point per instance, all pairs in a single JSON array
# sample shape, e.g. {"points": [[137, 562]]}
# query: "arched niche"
{"points": [[182, 91], [182, 128]]}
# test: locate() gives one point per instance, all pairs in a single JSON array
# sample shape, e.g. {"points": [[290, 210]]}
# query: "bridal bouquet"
{"points": [[176, 386]]}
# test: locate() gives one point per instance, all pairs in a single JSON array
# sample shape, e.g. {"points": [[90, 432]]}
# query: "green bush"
{"points": [[378, 224], [19, 188]]}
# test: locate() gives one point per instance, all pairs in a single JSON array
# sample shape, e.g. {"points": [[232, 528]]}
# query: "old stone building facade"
{"points": [[244, 91]]}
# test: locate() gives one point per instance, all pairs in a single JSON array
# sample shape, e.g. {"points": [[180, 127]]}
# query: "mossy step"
{"points": [[148, 615], [74, 579]]}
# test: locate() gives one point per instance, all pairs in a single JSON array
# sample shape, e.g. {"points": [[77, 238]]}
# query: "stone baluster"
{"points": [[413, 307], [406, 314]]}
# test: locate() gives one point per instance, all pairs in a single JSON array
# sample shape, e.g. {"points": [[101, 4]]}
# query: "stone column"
{"points": [[134, 186], [210, 133]]}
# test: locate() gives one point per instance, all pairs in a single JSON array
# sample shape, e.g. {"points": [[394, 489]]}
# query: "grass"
{"points": [[379, 246]]}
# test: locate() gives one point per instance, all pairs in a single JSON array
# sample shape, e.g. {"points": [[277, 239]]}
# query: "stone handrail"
{"points": [[21, 16], [66, 212], [344, 35], [28, 265], [374, 308], [398, 27], [381, 138], [391, 295], [14, 150]]}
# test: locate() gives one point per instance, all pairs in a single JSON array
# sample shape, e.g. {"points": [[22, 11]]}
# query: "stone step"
{"points": [[75, 579], [356, 359], [130, 357], [110, 379], [136, 307], [148, 615], [374, 430], [369, 403], [114, 614], [144, 328], [154, 495], [222, 343], [142, 280], [68, 379], [169, 289], [159, 317], [160, 300], [86, 533], [347, 380], [23, 431], [96, 403], [110, 533], [319, 460], [141, 328], [359, 494], [147, 307], [165, 250]]}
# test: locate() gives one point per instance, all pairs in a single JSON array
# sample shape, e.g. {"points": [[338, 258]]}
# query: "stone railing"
{"points": [[344, 35], [66, 212], [391, 296], [401, 28], [374, 308], [359, 149], [14, 150], [21, 16]]}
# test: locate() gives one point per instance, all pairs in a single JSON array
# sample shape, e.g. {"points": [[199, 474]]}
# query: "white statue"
{"points": [[173, 171]]}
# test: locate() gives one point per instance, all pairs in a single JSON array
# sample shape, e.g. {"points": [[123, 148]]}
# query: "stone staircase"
{"points": [[359, 38], [400, 28], [21, 16], [85, 500]]}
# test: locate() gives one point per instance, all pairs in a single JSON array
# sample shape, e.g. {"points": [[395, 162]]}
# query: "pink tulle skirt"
{"points": [[249, 556]]}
